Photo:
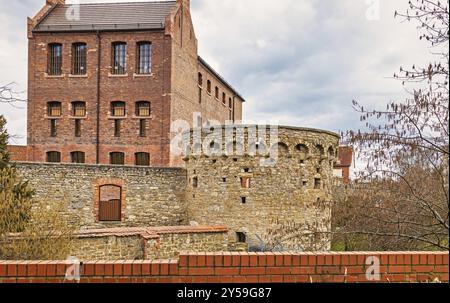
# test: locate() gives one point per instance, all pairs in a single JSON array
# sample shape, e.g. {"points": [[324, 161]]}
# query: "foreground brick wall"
{"points": [[242, 267]]}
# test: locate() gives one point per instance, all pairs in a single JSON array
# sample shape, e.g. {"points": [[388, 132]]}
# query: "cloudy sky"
{"points": [[296, 62]]}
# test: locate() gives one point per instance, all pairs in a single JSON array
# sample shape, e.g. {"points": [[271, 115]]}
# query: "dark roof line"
{"points": [[216, 74]]}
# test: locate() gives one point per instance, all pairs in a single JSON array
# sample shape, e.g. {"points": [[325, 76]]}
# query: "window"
{"points": [[142, 159], [54, 109], [200, 95], [143, 109], [243, 200], [53, 132], [110, 203], [117, 158], [217, 92], [195, 182], [144, 58], [224, 98], [142, 128], [77, 157], [54, 64], [77, 128], [200, 79], [317, 183], [117, 128], [118, 109], [79, 51], [78, 109], [240, 237], [245, 182], [230, 103], [53, 157], [119, 58], [208, 86]]}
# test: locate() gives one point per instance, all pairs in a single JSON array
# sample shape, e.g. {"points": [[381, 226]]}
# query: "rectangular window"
{"points": [[77, 157], [317, 183], [117, 158], [79, 58], [144, 58], [199, 95], [78, 109], [143, 109], [77, 128], [54, 64], [118, 109], [142, 159], [142, 128], [119, 58], [54, 157], [53, 127], [54, 109], [117, 128]]}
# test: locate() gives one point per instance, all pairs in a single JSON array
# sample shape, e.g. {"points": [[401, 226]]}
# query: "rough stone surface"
{"points": [[290, 196], [152, 196]]}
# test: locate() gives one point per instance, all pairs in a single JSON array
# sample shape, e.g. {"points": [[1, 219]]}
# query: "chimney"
{"points": [[186, 3]]}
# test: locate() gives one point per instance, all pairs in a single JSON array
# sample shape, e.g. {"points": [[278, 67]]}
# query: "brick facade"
{"points": [[171, 88], [400, 267]]}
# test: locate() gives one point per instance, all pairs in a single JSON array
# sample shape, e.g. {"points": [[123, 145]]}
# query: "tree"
{"points": [[27, 231], [402, 195]]}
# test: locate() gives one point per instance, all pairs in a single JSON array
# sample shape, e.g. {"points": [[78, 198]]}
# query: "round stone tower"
{"points": [[271, 185]]}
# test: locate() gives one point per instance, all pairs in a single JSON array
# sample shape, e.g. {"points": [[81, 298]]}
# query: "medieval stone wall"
{"points": [[267, 193], [150, 196]]}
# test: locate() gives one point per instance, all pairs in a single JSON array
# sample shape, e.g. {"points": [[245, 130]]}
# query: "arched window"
{"points": [[144, 57], [281, 148], [54, 109], [53, 157], [79, 109], [143, 109], [208, 86], [320, 150], [142, 159], [79, 58], [302, 150], [77, 157], [118, 109], [217, 92], [54, 62], [119, 58], [110, 203], [117, 158]]}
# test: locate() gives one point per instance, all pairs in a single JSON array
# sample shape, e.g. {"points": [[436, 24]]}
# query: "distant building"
{"points": [[343, 164]]}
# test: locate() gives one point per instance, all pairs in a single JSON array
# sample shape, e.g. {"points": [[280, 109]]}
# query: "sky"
{"points": [[297, 63]]}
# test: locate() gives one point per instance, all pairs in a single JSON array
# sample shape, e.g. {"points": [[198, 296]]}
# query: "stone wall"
{"points": [[147, 243], [150, 196], [269, 195]]}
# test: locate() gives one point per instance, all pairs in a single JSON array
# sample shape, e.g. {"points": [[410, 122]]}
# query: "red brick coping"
{"points": [[242, 267]]}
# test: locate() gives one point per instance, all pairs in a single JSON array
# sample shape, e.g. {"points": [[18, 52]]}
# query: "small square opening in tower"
{"points": [[317, 183], [243, 200], [241, 237]]}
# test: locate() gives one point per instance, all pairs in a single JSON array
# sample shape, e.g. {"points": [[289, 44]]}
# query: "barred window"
{"points": [[54, 64], [77, 157], [117, 158], [119, 58], [143, 109], [118, 109], [54, 109], [53, 157], [78, 109], [144, 61], [142, 159], [79, 58]]}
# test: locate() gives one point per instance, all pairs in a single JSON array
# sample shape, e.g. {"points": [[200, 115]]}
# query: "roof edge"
{"points": [[216, 74]]}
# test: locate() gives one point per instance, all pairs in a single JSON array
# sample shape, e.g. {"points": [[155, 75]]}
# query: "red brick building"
{"points": [[343, 164], [105, 82]]}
